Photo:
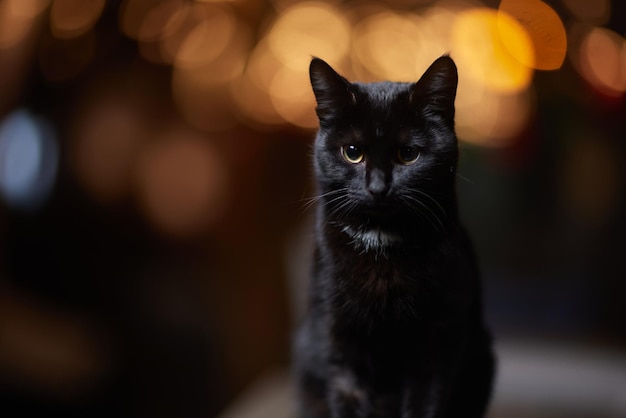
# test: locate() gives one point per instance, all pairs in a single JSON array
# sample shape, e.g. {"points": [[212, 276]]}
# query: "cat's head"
{"points": [[386, 152]]}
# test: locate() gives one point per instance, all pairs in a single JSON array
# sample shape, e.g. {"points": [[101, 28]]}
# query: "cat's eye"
{"points": [[352, 154], [408, 155]]}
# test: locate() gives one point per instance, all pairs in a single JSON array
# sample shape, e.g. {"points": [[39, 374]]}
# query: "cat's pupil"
{"points": [[408, 155], [352, 154]]}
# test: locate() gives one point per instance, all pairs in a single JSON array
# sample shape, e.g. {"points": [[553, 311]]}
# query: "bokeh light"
{"points": [[132, 14], [480, 38], [300, 32], [16, 19], [28, 160], [151, 145], [106, 142], [372, 40], [182, 183], [292, 97], [71, 18], [545, 29], [309, 29], [207, 40], [251, 90], [602, 61], [493, 120]]}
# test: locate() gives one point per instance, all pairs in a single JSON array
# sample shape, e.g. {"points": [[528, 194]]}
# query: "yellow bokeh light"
{"points": [[72, 18], [389, 45], [603, 61], [545, 29], [308, 29], [479, 38]]}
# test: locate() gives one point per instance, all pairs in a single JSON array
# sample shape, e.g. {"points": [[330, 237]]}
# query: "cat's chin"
{"points": [[371, 239]]}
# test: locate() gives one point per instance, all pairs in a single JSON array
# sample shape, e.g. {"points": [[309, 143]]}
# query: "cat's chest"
{"points": [[397, 286]]}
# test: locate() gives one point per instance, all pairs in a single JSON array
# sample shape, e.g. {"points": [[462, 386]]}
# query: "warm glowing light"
{"points": [[479, 38], [208, 40], [71, 18], [545, 29], [309, 29], [27, 9], [161, 20], [105, 144], [389, 45], [603, 61], [16, 19], [596, 11], [185, 20], [203, 103], [292, 97], [494, 119], [251, 90], [164, 28], [203, 71], [182, 183]]}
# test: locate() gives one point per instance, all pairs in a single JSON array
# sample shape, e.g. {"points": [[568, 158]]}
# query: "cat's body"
{"points": [[394, 327]]}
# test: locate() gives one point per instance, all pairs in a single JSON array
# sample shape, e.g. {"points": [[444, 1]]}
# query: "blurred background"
{"points": [[155, 165]]}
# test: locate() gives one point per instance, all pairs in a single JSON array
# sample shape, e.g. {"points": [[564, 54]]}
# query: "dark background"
{"points": [[114, 305]]}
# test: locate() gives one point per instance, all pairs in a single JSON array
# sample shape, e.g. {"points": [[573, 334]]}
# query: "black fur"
{"points": [[395, 325]]}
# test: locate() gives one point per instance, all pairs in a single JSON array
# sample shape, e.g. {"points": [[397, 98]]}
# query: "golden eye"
{"points": [[408, 155], [352, 154]]}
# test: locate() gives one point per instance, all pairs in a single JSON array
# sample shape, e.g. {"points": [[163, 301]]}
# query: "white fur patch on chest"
{"points": [[371, 239]]}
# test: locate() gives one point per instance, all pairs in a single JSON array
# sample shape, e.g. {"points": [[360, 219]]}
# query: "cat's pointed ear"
{"points": [[332, 91], [435, 91]]}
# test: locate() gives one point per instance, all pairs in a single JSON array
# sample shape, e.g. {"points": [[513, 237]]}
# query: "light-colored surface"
{"points": [[534, 381]]}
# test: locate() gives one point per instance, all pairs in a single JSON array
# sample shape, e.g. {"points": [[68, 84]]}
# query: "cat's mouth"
{"points": [[381, 208]]}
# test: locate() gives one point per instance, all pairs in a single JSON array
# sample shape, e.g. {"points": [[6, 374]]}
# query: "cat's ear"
{"points": [[332, 91], [435, 91]]}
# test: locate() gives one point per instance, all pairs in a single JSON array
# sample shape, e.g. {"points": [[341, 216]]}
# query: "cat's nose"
{"points": [[377, 184]]}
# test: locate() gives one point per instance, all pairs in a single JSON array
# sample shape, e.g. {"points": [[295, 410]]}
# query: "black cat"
{"points": [[395, 325]]}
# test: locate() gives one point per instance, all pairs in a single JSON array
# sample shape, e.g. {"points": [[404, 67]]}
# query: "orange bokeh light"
{"points": [[372, 40], [182, 183], [545, 29], [309, 29], [16, 19], [481, 42], [105, 145]]}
